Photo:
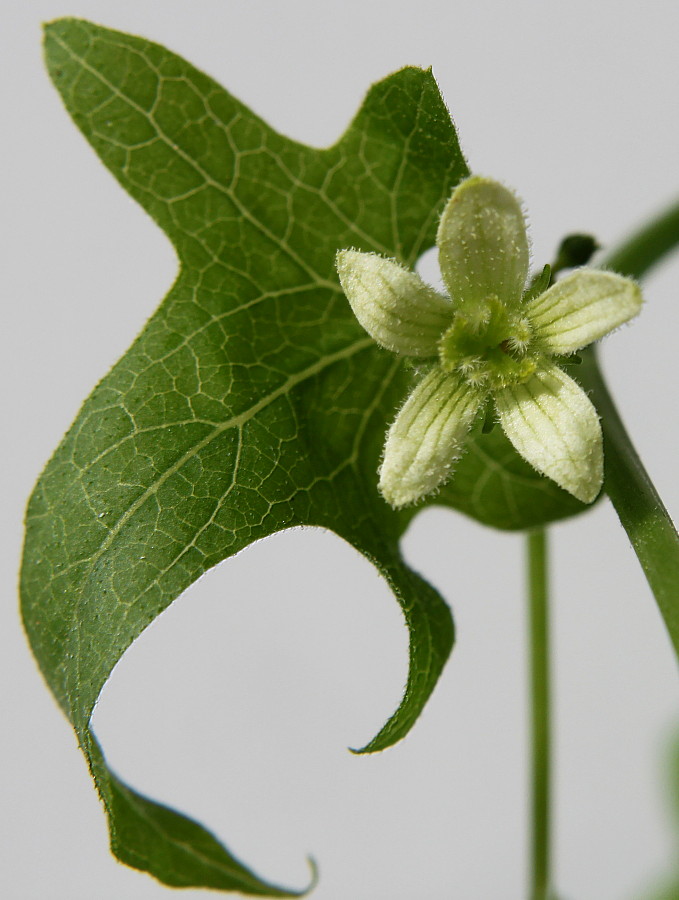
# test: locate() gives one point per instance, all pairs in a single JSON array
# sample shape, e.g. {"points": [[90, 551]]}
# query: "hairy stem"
{"points": [[636, 501], [626, 481], [538, 619]]}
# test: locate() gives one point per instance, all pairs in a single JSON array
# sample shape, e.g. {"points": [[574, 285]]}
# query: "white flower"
{"points": [[489, 338]]}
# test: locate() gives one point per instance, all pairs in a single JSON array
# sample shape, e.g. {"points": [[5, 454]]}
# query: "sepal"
{"points": [[483, 244], [393, 304], [582, 308], [427, 436], [551, 422]]}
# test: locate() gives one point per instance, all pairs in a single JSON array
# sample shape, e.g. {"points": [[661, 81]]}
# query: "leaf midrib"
{"points": [[187, 848], [234, 422]]}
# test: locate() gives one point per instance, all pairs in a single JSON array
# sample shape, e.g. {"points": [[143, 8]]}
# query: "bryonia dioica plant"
{"points": [[257, 396]]}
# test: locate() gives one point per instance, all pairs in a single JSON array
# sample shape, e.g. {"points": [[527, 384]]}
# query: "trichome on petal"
{"points": [[491, 339]]}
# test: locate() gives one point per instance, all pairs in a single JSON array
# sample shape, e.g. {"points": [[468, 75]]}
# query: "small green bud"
{"points": [[575, 250]]}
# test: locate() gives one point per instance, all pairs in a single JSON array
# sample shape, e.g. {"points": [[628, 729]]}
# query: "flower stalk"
{"points": [[540, 723]]}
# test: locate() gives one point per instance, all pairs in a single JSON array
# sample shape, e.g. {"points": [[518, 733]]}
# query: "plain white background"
{"points": [[238, 704]]}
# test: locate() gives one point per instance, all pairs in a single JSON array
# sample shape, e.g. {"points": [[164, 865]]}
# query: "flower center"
{"points": [[489, 346]]}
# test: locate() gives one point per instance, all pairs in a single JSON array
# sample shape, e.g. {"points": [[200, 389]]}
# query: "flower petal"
{"points": [[581, 308], [483, 244], [553, 425], [393, 304], [426, 437]]}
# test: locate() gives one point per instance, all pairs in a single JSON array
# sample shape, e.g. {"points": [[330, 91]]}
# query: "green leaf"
{"points": [[252, 401]]}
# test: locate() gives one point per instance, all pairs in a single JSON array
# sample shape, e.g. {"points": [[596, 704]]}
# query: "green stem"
{"points": [[636, 501], [648, 526], [538, 618], [647, 246]]}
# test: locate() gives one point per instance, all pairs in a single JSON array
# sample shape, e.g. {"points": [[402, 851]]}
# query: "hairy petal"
{"points": [[483, 244], [427, 436], [581, 308], [553, 425], [393, 304]]}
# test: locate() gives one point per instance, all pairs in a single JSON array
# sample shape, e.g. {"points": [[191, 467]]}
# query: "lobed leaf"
{"points": [[251, 402]]}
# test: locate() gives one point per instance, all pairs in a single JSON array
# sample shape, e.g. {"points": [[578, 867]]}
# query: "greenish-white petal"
{"points": [[483, 244], [581, 308], [427, 436], [553, 425], [393, 304]]}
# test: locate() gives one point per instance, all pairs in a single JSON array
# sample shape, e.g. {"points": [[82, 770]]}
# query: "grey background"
{"points": [[238, 704]]}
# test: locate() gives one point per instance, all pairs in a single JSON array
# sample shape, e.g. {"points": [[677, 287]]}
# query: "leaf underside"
{"points": [[251, 402]]}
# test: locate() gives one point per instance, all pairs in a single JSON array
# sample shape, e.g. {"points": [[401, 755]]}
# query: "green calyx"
{"points": [[489, 346]]}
